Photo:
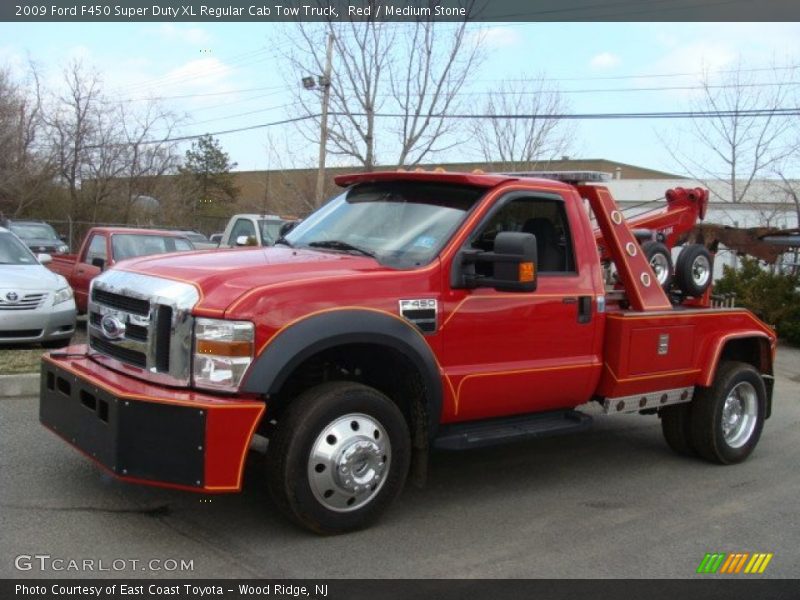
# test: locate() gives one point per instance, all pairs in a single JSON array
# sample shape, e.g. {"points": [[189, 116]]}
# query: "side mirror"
{"points": [[287, 227], [44, 258], [512, 264], [243, 240], [98, 262]]}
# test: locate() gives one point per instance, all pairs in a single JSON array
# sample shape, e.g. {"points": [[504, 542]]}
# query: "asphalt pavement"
{"points": [[610, 502]]}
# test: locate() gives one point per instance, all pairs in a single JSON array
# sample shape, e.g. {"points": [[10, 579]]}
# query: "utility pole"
{"points": [[325, 82]]}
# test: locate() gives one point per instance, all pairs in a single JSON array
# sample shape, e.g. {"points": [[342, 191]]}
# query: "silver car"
{"points": [[36, 305]]}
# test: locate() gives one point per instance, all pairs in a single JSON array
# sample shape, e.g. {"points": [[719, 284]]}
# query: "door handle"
{"points": [[569, 300], [584, 309]]}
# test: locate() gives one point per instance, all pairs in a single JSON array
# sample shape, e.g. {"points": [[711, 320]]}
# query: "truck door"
{"points": [[86, 268], [509, 353]]}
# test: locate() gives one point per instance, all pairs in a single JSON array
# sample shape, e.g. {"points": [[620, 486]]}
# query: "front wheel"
{"points": [[727, 418], [338, 457]]}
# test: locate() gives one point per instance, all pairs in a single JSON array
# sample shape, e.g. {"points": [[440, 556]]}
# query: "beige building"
{"points": [[292, 191]]}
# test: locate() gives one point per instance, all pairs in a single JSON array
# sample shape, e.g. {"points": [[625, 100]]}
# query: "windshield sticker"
{"points": [[425, 241]]}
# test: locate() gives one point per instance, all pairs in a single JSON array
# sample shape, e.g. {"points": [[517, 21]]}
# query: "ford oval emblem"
{"points": [[12, 296], [112, 327]]}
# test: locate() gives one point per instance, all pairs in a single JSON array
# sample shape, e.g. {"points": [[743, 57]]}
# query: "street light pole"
{"points": [[325, 82]]}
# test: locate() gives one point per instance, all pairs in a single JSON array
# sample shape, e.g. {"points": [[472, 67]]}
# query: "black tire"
{"points": [[660, 260], [693, 259], [676, 427], [55, 344], [708, 409], [299, 430]]}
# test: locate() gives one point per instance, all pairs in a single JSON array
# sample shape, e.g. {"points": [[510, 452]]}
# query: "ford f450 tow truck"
{"points": [[414, 311]]}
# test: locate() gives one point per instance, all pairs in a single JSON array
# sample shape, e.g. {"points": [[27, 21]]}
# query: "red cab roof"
{"points": [[474, 179]]}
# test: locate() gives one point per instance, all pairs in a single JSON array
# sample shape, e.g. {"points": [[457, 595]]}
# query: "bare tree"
{"points": [[25, 172], [520, 143], [733, 147], [107, 154], [73, 130], [148, 154], [414, 71]]}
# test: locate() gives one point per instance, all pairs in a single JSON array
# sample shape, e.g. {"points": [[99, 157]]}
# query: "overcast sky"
{"points": [[600, 67]]}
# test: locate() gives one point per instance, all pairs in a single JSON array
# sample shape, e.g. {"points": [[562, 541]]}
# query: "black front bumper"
{"points": [[148, 441]]}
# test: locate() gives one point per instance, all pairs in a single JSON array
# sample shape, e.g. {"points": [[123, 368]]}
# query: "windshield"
{"points": [[401, 223], [31, 231], [270, 231], [14, 252], [129, 245]]}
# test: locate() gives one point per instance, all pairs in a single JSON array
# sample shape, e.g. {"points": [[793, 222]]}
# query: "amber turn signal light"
{"points": [[224, 348]]}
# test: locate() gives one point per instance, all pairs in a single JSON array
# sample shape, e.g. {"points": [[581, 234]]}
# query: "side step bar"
{"points": [[461, 436]]}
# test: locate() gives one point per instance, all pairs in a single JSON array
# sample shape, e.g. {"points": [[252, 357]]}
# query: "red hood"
{"points": [[223, 276]]}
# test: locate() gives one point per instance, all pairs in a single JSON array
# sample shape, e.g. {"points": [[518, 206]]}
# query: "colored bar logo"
{"points": [[734, 563]]}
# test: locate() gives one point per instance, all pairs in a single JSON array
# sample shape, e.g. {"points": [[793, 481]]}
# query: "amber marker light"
{"points": [[526, 272]]}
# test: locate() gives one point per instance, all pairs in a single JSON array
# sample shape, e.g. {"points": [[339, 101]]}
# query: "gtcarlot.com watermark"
{"points": [[48, 563]]}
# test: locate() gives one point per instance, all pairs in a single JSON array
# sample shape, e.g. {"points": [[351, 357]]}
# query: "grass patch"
{"points": [[25, 358], [19, 360]]}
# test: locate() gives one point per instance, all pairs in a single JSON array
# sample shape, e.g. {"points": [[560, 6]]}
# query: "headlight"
{"points": [[62, 295], [62, 249], [222, 352]]}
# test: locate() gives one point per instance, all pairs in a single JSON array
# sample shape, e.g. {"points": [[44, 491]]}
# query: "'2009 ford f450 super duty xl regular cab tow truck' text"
{"points": [[414, 311]]}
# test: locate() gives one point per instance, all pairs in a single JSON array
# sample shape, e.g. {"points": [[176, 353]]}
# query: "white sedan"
{"points": [[36, 305]]}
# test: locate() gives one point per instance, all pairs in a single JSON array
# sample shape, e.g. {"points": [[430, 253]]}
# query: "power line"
{"points": [[198, 95], [492, 93], [783, 112], [765, 112], [236, 62], [654, 75]]}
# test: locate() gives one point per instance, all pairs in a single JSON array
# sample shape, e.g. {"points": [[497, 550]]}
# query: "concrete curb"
{"points": [[26, 384]]}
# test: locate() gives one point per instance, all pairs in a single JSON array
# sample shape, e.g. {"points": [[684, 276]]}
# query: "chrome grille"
{"points": [[142, 326], [27, 302]]}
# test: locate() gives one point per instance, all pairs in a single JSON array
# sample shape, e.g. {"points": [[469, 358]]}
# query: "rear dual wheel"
{"points": [[723, 423]]}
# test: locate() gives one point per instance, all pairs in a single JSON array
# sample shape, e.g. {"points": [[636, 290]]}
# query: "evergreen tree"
{"points": [[210, 184]]}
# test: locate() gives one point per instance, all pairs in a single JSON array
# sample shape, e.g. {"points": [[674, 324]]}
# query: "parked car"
{"points": [[253, 230], [105, 246], [199, 241], [36, 305], [39, 236]]}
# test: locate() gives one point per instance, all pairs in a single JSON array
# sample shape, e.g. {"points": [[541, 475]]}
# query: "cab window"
{"points": [[543, 217], [97, 248]]}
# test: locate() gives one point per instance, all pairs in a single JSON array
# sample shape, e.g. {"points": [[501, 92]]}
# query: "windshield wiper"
{"points": [[340, 245], [284, 241]]}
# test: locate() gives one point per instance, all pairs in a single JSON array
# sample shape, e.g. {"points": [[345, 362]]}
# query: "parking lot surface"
{"points": [[612, 502]]}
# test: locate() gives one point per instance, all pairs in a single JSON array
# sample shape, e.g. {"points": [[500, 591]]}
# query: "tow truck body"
{"points": [[486, 339]]}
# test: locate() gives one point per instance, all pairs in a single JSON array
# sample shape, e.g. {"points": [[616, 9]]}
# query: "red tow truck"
{"points": [[414, 311]]}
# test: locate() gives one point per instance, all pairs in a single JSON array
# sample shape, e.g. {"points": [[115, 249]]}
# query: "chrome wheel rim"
{"points": [[660, 265], [701, 270], [348, 463], [739, 413]]}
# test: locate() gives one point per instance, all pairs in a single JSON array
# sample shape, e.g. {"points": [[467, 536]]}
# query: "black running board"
{"points": [[477, 434]]}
